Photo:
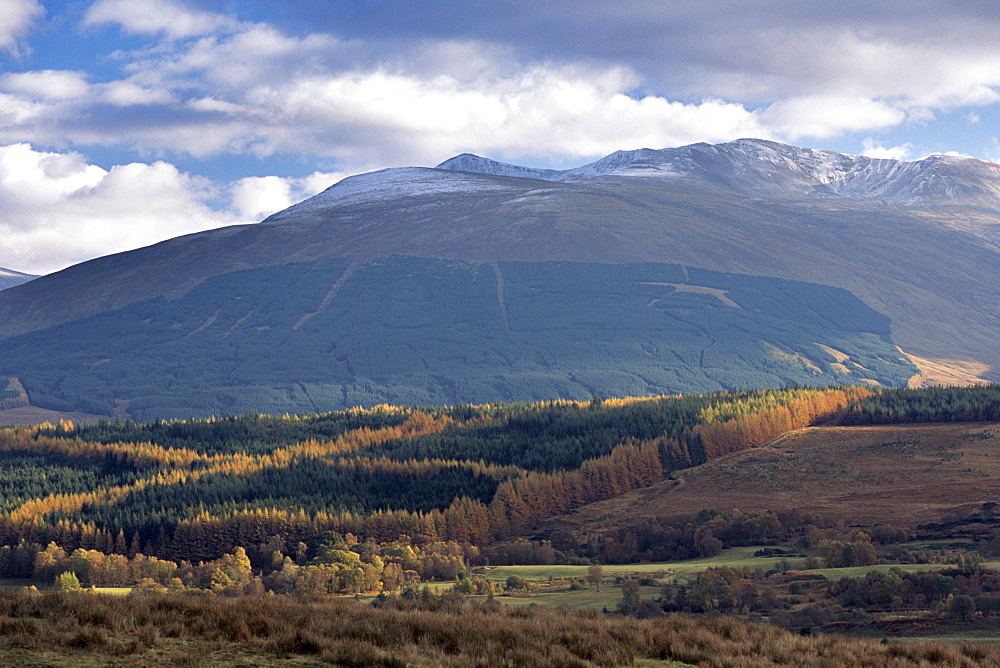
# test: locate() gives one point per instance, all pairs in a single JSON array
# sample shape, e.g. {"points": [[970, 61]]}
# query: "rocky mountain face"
{"points": [[759, 167], [911, 242]]}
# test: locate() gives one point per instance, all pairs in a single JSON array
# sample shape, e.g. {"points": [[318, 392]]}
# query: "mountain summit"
{"points": [[689, 269], [756, 166]]}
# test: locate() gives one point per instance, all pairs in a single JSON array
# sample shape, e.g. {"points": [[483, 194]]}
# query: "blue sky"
{"points": [[125, 122]]}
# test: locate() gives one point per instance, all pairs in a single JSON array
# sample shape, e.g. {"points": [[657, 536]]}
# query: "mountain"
{"points": [[10, 278], [704, 267]]}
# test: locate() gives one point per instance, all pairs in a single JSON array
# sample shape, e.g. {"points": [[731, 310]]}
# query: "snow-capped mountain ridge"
{"points": [[758, 166], [753, 167]]}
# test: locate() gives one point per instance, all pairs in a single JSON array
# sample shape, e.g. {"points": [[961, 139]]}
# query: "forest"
{"points": [[477, 477], [473, 475], [389, 499], [269, 339]]}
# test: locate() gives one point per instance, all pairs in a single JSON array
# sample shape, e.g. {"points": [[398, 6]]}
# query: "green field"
{"points": [[552, 581], [583, 599], [736, 557]]}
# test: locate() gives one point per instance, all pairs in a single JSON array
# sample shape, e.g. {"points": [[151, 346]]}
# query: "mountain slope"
{"points": [[320, 336]]}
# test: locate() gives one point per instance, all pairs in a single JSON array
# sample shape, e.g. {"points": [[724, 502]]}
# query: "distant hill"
{"points": [[10, 278], [479, 281]]}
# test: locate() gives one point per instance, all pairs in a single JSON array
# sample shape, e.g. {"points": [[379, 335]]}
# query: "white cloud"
{"points": [[16, 19], [260, 196], [244, 88], [127, 94], [155, 17], [543, 111], [16, 110], [46, 84], [248, 88], [972, 117], [261, 92], [56, 209], [828, 116], [956, 154], [930, 72], [256, 197], [873, 150]]}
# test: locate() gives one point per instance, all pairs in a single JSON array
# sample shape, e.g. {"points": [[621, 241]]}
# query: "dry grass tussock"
{"points": [[440, 631]]}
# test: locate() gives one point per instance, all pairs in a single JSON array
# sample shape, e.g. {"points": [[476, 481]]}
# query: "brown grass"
{"points": [[901, 474], [946, 372], [172, 629]]}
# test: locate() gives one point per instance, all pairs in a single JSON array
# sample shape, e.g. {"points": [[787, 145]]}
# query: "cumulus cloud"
{"points": [[46, 84], [58, 209], [128, 94], [875, 150], [165, 17], [828, 115], [542, 111], [920, 51], [16, 19], [16, 110], [256, 197]]}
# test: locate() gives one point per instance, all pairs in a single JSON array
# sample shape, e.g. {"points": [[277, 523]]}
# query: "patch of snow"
{"points": [[389, 184]]}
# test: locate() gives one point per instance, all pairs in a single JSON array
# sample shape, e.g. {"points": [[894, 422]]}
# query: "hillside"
{"points": [[903, 475], [914, 242], [412, 331]]}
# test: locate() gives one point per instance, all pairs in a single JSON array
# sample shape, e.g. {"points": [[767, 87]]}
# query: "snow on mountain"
{"points": [[935, 179], [760, 167], [394, 183], [467, 162]]}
